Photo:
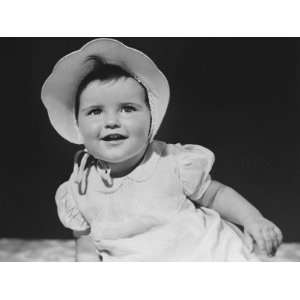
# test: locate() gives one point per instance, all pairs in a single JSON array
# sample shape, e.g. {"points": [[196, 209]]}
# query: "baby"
{"points": [[130, 197]]}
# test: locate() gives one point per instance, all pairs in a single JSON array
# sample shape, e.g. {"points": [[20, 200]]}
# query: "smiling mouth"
{"points": [[114, 137]]}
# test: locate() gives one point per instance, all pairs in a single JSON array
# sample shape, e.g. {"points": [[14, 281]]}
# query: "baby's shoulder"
{"points": [[183, 152], [188, 161]]}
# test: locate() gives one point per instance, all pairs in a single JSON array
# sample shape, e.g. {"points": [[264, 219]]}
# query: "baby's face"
{"points": [[114, 119]]}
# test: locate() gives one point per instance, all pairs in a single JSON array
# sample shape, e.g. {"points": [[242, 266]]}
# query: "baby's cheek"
{"points": [[142, 123], [143, 135], [89, 128], [91, 134], [142, 132]]}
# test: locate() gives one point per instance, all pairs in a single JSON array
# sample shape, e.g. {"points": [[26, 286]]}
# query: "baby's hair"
{"points": [[104, 72]]}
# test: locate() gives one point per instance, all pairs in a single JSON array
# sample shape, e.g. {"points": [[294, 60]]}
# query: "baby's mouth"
{"points": [[114, 137]]}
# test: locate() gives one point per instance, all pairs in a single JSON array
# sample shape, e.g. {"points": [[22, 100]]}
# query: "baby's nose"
{"points": [[112, 121]]}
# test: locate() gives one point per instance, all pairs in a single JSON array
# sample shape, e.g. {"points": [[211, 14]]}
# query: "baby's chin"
{"points": [[110, 159], [116, 160], [131, 158]]}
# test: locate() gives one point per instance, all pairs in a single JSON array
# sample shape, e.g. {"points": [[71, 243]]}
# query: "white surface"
{"points": [[15, 250]]}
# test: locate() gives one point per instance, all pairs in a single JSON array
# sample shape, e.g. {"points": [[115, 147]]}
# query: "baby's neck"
{"points": [[122, 169]]}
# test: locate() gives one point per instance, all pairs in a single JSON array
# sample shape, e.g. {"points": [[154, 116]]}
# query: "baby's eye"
{"points": [[128, 108], [95, 111]]}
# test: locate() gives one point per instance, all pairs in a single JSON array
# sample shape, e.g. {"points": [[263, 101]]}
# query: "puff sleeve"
{"points": [[194, 163], [67, 209]]}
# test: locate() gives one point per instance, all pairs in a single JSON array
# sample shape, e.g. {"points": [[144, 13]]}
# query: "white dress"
{"points": [[149, 215]]}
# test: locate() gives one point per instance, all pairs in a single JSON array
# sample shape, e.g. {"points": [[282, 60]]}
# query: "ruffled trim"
{"points": [[194, 165], [67, 209]]}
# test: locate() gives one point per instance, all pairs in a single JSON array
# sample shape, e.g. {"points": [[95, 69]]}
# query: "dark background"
{"points": [[237, 96]]}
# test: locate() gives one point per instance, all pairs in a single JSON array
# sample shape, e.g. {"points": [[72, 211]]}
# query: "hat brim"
{"points": [[59, 90]]}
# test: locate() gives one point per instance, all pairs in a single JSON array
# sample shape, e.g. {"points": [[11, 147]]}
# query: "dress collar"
{"points": [[141, 173]]}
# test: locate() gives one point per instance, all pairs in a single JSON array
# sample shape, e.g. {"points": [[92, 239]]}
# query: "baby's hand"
{"points": [[265, 234]]}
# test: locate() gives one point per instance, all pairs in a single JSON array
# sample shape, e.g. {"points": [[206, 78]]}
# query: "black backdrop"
{"points": [[237, 96]]}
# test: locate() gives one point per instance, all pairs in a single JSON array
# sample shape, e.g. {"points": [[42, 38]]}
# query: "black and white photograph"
{"points": [[150, 149]]}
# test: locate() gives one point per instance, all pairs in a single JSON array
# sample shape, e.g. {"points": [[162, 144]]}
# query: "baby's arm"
{"points": [[84, 247], [235, 208], [85, 250]]}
